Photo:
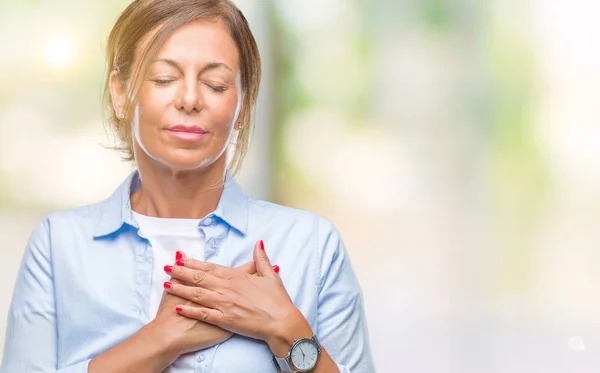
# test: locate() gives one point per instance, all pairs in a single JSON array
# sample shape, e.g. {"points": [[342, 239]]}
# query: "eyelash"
{"points": [[164, 82], [217, 89]]}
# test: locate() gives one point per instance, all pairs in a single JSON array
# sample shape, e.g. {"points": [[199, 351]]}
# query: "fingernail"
{"points": [[180, 262], [168, 285], [262, 245], [168, 269], [276, 268], [178, 255], [178, 308]]}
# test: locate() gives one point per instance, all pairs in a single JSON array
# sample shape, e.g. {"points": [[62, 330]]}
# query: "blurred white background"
{"points": [[454, 143]]}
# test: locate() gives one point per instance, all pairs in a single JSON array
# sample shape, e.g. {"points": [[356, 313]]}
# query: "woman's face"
{"points": [[190, 98]]}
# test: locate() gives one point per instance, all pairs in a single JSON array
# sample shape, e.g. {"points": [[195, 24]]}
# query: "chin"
{"points": [[187, 164], [178, 159], [184, 161]]}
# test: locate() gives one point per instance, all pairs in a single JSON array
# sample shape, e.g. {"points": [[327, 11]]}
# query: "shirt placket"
{"points": [[215, 235], [142, 275]]}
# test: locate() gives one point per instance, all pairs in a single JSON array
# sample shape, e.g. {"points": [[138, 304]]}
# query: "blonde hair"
{"points": [[143, 28]]}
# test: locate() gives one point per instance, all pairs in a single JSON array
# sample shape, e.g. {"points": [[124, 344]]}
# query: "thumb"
{"points": [[249, 268], [263, 264]]}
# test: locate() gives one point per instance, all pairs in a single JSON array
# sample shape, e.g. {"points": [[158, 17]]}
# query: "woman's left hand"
{"points": [[256, 306]]}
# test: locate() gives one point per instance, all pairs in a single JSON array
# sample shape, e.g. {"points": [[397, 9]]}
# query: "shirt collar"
{"points": [[115, 212]]}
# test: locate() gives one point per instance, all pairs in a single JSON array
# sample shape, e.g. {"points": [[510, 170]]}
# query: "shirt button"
{"points": [[213, 243], [200, 358], [207, 222]]}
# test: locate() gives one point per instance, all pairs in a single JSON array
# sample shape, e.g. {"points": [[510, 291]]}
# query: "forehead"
{"points": [[201, 41]]}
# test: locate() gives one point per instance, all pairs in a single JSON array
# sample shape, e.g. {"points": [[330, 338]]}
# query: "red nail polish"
{"points": [[168, 285], [276, 268], [168, 269], [178, 308], [178, 255], [180, 262], [262, 245]]}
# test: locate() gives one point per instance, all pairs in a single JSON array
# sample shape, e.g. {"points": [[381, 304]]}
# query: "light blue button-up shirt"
{"points": [[84, 284]]}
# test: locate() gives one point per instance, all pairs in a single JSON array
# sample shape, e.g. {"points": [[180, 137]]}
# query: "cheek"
{"points": [[152, 106], [154, 99], [225, 109]]}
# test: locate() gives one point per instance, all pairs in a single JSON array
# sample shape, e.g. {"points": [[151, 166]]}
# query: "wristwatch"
{"points": [[302, 357]]}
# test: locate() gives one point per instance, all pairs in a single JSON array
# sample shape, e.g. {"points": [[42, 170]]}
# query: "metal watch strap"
{"points": [[285, 364], [282, 364]]}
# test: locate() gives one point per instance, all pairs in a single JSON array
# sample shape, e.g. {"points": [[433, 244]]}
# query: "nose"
{"points": [[189, 97]]}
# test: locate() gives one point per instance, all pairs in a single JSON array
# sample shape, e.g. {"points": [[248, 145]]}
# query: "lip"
{"points": [[189, 133]]}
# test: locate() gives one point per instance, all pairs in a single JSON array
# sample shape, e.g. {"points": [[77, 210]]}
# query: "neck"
{"points": [[165, 193]]}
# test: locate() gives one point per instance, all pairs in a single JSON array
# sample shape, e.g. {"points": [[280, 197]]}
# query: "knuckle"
{"points": [[227, 304], [203, 314], [211, 268], [198, 295], [229, 319], [198, 277]]}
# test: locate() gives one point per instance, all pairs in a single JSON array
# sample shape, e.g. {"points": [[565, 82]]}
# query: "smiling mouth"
{"points": [[187, 129], [187, 133]]}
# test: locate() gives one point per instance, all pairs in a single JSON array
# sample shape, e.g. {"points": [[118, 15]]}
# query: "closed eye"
{"points": [[163, 81], [217, 88]]}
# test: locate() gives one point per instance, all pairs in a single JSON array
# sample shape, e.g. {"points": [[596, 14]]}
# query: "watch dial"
{"points": [[304, 355]]}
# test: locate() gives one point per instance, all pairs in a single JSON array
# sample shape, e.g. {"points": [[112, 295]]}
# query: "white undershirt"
{"points": [[166, 236]]}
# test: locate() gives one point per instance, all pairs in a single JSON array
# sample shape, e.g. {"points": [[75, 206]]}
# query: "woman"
{"points": [[171, 272]]}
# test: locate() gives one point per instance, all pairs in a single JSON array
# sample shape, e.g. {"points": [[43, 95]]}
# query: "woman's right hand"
{"points": [[186, 335]]}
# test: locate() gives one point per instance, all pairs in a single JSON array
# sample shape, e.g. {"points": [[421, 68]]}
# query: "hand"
{"points": [[187, 335], [254, 306]]}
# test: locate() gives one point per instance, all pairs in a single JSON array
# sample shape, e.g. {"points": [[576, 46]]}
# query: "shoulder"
{"points": [[297, 223], [80, 215], [57, 226], [261, 212], [301, 226], [74, 221]]}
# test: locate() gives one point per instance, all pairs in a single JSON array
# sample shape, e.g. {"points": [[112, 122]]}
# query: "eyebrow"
{"points": [[208, 66]]}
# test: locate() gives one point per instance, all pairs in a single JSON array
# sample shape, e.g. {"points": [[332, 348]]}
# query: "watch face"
{"points": [[304, 355]]}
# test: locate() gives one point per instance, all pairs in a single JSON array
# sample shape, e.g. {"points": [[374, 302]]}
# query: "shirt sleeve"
{"points": [[342, 326], [31, 333]]}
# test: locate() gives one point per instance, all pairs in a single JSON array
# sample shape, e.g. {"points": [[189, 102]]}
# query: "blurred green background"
{"points": [[454, 143]]}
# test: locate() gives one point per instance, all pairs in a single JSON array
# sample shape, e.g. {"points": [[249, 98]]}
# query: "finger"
{"points": [[178, 255], [249, 268], [221, 271], [215, 269], [203, 314], [198, 295], [212, 268], [263, 264], [194, 277]]}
